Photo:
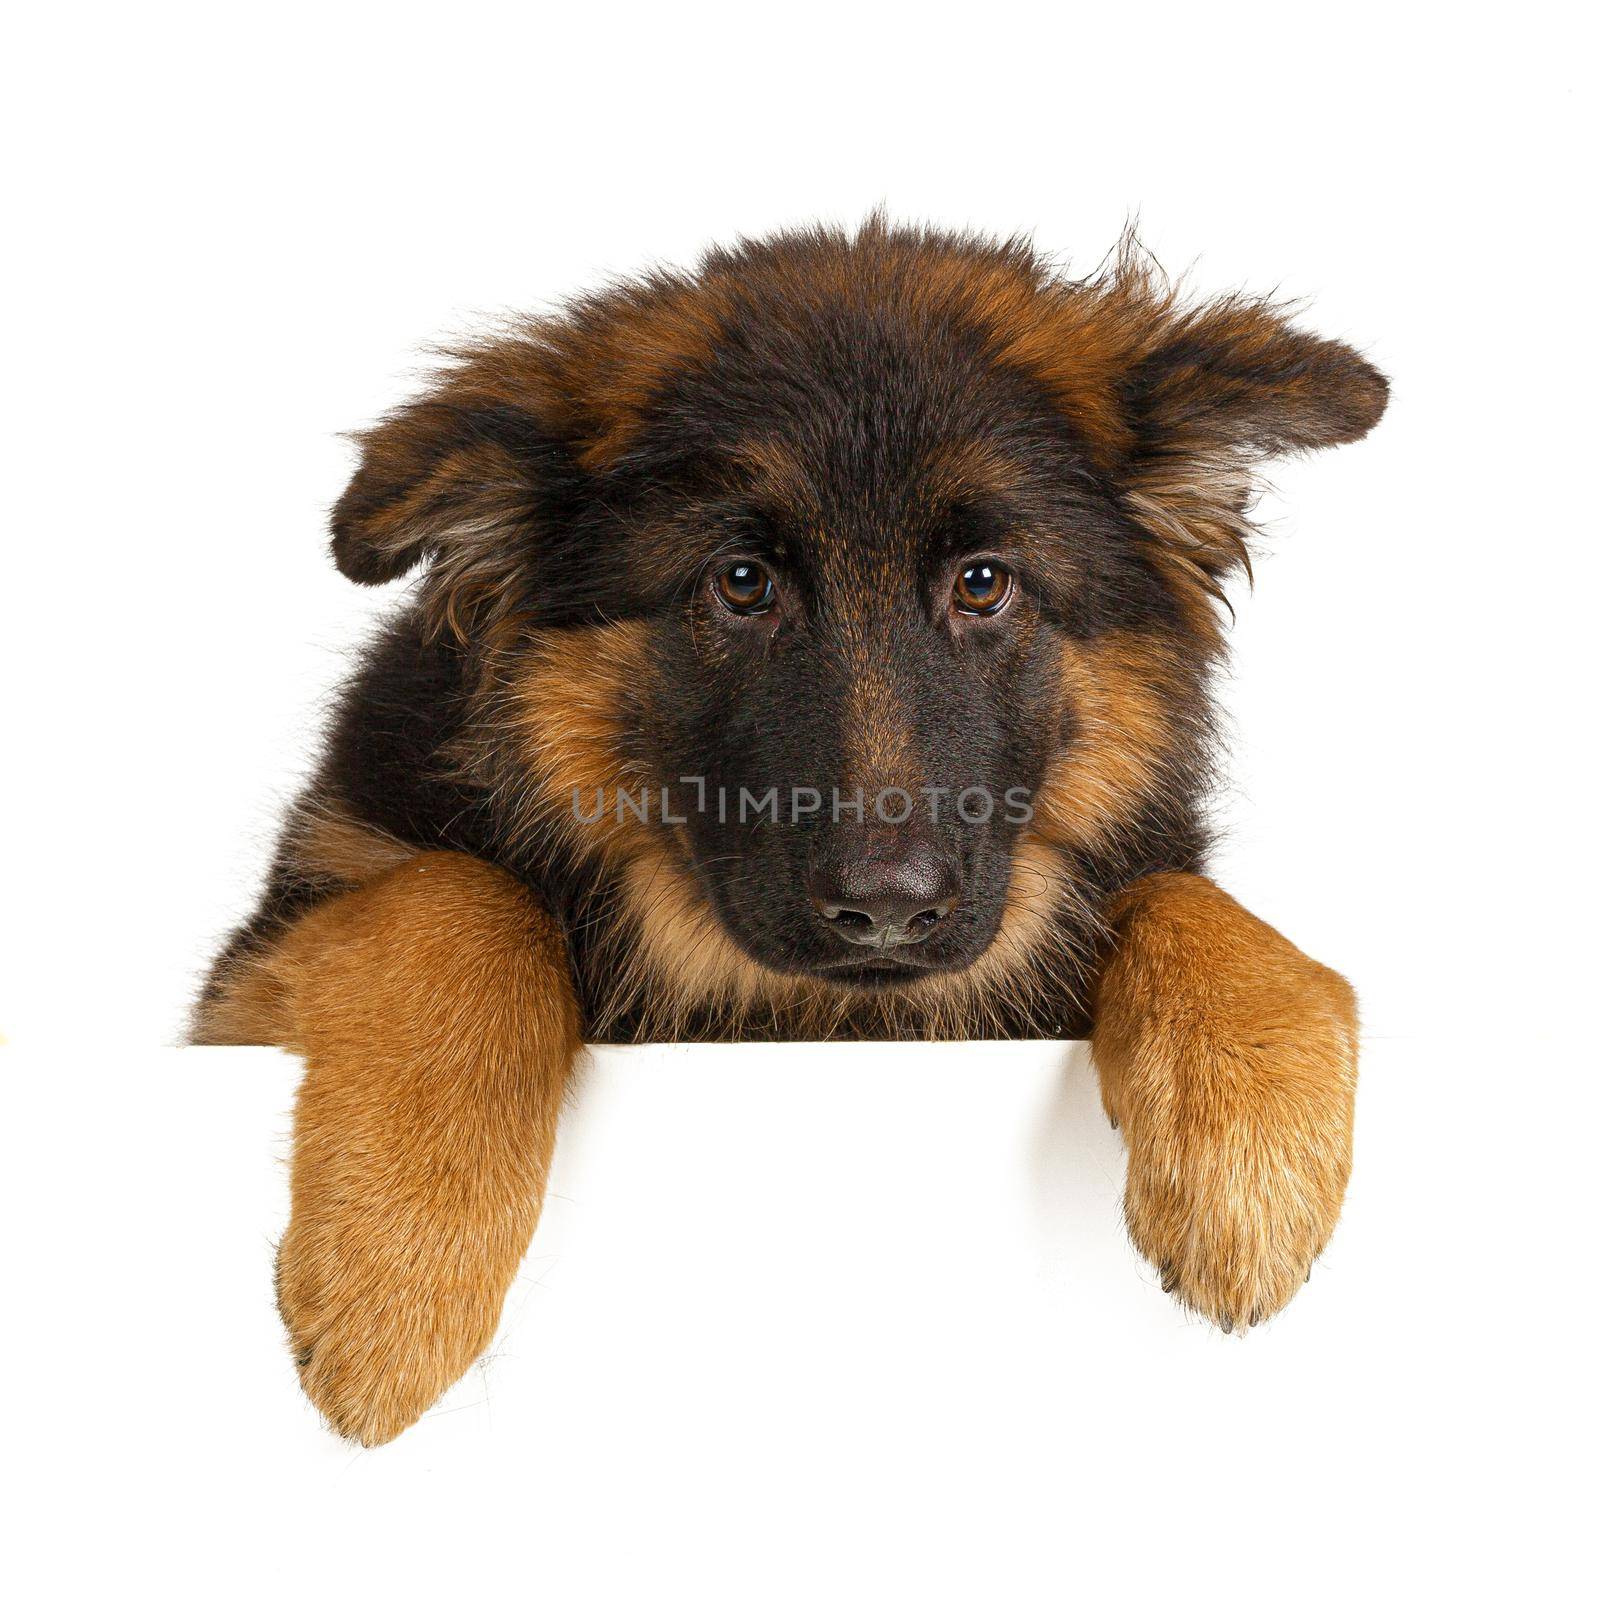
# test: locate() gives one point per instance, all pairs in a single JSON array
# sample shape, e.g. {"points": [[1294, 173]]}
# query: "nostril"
{"points": [[844, 917], [883, 925]]}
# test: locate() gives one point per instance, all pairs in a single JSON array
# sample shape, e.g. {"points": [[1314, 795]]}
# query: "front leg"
{"points": [[1228, 1058], [435, 1011]]}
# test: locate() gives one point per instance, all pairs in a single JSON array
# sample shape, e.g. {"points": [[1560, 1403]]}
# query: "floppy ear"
{"points": [[1216, 391], [508, 437], [453, 468]]}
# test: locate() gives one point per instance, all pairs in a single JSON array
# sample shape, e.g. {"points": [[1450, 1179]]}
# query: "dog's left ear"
{"points": [[1217, 391]]}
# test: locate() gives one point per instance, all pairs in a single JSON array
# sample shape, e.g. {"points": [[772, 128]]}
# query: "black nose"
{"points": [[885, 900]]}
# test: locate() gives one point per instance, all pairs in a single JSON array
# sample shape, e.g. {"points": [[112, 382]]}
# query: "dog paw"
{"points": [[1229, 1059], [377, 1337], [1233, 1201]]}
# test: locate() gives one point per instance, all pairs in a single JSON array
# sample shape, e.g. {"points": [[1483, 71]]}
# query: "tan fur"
{"points": [[435, 1013], [332, 846], [613, 366], [1229, 1059], [248, 1006], [1077, 343], [330, 849], [575, 695], [1119, 694]]}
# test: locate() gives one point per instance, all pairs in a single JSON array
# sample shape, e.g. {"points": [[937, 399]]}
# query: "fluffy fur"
{"points": [[438, 1024], [860, 414], [1228, 1059]]}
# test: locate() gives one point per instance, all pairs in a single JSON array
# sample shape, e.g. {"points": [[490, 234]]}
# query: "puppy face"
{"points": [[861, 565], [860, 591]]}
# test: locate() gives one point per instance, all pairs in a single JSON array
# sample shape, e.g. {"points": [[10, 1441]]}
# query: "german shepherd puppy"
{"points": [[816, 645]]}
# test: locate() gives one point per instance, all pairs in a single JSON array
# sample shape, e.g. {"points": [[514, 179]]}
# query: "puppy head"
{"points": [[886, 557]]}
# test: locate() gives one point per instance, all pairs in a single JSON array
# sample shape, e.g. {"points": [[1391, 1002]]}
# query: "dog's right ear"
{"points": [[446, 475], [464, 473]]}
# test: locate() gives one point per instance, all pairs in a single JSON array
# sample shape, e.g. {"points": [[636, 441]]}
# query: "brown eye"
{"points": [[982, 588], [745, 586]]}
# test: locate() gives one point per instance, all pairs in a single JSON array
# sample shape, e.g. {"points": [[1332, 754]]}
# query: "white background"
{"points": [[231, 234]]}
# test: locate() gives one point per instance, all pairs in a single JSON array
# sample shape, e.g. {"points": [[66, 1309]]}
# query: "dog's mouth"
{"points": [[878, 971]]}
